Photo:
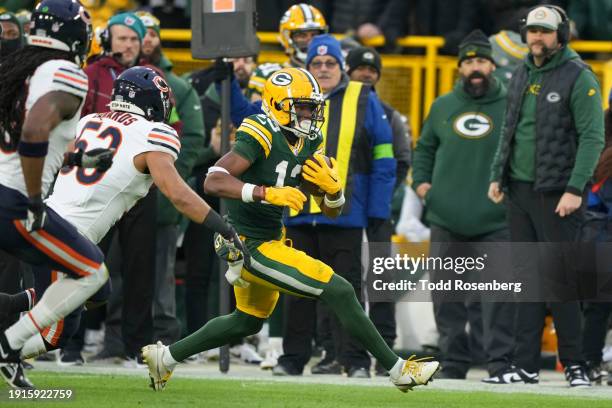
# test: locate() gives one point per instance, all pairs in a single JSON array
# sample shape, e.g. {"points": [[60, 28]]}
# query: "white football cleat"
{"points": [[415, 372], [270, 360], [247, 353], [158, 372]]}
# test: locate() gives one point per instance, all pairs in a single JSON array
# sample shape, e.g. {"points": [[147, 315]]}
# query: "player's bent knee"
{"points": [[338, 290], [247, 323], [95, 280]]}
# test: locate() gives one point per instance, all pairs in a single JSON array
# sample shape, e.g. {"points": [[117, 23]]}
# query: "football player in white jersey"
{"points": [[145, 149], [41, 95]]}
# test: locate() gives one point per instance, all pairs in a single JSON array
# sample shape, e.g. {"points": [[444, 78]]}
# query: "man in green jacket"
{"points": [[187, 119], [552, 138], [450, 172]]}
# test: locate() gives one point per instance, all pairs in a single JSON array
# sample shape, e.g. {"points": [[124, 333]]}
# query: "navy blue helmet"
{"points": [[63, 25], [142, 91]]}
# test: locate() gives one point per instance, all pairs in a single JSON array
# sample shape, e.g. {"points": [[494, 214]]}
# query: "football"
{"points": [[310, 188]]}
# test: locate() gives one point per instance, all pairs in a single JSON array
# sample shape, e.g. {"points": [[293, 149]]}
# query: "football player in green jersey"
{"points": [[298, 26], [260, 176]]}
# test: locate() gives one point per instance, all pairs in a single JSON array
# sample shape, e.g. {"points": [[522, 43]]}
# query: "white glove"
{"points": [[234, 274]]}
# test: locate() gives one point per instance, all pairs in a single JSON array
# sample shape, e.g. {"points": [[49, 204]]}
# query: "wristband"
{"points": [[36, 149], [247, 192], [335, 203], [217, 169]]}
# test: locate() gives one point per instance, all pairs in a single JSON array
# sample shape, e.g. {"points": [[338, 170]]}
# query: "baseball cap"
{"points": [[545, 17]]}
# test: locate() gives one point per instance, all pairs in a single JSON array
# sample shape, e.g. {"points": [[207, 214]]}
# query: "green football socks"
{"points": [[340, 297]]}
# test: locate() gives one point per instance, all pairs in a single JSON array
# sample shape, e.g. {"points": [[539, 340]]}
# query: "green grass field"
{"points": [[92, 391]]}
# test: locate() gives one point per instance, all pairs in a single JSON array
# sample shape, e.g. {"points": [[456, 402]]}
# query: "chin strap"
{"points": [[298, 133]]}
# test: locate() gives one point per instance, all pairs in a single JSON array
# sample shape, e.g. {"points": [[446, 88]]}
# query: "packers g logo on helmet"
{"points": [[292, 98], [281, 79], [300, 17]]}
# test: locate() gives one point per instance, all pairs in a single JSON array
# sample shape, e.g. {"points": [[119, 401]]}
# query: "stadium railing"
{"points": [[409, 83]]}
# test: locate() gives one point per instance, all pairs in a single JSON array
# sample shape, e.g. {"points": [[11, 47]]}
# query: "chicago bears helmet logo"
{"points": [[160, 84], [473, 125], [282, 79], [84, 15]]}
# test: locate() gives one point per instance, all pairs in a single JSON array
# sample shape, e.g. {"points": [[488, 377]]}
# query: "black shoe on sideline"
{"points": [[358, 372], [323, 367], [513, 375], [70, 358], [450, 373], [283, 370]]}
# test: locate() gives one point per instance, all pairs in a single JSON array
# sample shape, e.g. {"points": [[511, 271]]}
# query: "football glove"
{"points": [[37, 214], [231, 250], [222, 69], [285, 196], [235, 257], [99, 159], [321, 174]]}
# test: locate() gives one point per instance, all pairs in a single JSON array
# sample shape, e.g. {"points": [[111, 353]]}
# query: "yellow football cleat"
{"points": [[415, 372], [158, 372]]}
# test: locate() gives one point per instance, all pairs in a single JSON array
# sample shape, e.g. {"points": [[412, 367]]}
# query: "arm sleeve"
{"points": [[589, 121], [382, 176], [425, 153], [192, 137], [240, 105]]}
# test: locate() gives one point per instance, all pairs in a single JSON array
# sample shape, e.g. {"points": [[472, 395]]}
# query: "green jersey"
{"points": [[259, 77], [274, 162]]}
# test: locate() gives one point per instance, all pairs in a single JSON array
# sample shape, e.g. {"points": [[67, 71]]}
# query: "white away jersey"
{"points": [[93, 201], [53, 75]]}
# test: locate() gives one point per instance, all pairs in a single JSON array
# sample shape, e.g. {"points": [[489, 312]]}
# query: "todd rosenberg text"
{"points": [[446, 285]]}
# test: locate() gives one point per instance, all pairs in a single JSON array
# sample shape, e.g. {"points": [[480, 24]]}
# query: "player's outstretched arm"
{"points": [[222, 181], [165, 176], [43, 117]]}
